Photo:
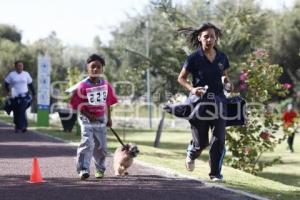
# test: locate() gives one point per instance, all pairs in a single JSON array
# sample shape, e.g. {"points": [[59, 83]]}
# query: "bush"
{"points": [[258, 83]]}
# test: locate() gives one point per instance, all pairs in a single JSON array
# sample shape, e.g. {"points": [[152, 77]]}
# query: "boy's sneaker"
{"points": [[84, 174], [218, 178], [189, 164], [99, 174]]}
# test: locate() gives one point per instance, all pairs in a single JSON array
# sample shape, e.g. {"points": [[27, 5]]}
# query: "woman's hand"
{"points": [[228, 87], [199, 91]]}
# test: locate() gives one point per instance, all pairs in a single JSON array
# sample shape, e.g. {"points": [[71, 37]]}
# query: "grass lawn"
{"points": [[279, 182]]}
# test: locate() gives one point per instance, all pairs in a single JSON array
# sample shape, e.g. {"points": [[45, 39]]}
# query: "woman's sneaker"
{"points": [[84, 174], [189, 164], [217, 178], [99, 174]]}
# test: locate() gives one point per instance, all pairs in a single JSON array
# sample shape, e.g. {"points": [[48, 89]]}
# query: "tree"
{"points": [[244, 27], [167, 50], [10, 33], [53, 47], [284, 46], [11, 49]]}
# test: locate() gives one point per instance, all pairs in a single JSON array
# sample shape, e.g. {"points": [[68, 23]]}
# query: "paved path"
{"points": [[57, 165]]}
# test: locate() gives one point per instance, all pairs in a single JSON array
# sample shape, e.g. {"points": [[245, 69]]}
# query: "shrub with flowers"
{"points": [[258, 83]]}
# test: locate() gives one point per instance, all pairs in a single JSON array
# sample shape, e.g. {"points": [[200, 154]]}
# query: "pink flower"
{"points": [[243, 76], [287, 86], [264, 135], [247, 150], [243, 87]]}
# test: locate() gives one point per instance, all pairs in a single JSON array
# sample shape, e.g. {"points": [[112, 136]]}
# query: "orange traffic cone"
{"points": [[36, 176]]}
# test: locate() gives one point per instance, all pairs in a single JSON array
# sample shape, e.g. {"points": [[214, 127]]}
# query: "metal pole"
{"points": [[148, 77]]}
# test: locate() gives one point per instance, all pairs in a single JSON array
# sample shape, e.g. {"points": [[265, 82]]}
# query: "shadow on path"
{"points": [[29, 144], [132, 187]]}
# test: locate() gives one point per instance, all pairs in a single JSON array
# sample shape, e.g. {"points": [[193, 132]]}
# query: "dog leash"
{"points": [[117, 136]]}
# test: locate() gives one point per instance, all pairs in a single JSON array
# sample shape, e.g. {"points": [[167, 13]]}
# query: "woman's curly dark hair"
{"points": [[192, 33]]}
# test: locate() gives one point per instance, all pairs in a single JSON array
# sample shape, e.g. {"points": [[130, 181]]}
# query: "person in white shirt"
{"points": [[17, 84]]}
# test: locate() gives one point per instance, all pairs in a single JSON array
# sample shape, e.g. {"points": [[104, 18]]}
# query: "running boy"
{"points": [[92, 99]]}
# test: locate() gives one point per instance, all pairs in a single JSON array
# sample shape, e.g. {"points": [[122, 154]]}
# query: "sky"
{"points": [[77, 22]]}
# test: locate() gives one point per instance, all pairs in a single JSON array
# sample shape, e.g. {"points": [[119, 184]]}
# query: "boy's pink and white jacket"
{"points": [[94, 98]]}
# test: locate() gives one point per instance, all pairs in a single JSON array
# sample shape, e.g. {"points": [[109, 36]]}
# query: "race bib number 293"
{"points": [[97, 95]]}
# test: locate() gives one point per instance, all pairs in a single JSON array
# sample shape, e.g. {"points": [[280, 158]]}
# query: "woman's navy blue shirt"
{"points": [[205, 72]]}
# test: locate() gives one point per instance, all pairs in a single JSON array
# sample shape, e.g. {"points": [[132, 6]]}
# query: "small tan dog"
{"points": [[123, 158]]}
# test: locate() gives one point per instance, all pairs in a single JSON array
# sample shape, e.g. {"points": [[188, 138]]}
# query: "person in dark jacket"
{"points": [[207, 66]]}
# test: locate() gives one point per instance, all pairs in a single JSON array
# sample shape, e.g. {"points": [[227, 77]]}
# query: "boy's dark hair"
{"points": [[17, 62], [192, 33], [95, 57]]}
